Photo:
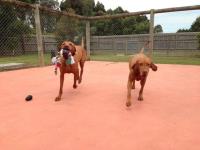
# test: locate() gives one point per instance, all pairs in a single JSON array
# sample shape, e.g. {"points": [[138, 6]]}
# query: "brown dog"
{"points": [[139, 66], [79, 55]]}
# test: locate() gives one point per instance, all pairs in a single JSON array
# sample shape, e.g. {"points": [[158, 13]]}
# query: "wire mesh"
{"points": [[17, 25]]}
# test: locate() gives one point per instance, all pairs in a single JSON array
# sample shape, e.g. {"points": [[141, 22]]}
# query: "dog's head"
{"points": [[67, 47], [142, 65]]}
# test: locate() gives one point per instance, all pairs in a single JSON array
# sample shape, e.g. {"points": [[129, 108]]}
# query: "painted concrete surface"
{"points": [[94, 116]]}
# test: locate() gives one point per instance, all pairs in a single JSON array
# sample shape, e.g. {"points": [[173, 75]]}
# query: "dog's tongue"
{"points": [[138, 78]]}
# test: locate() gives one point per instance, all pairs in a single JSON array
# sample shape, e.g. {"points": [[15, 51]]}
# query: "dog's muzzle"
{"points": [[65, 53]]}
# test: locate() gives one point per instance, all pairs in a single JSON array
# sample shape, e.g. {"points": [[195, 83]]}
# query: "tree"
{"points": [[81, 7], [195, 27], [48, 21], [99, 9], [142, 27], [68, 28], [183, 30], [119, 26], [52, 4], [158, 29], [29, 1]]}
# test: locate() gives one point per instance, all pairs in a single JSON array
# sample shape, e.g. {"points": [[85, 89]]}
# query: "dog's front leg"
{"points": [[133, 84], [61, 87], [129, 86], [142, 83]]}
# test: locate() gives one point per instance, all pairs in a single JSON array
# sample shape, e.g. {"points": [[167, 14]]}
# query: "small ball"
{"points": [[29, 97]]}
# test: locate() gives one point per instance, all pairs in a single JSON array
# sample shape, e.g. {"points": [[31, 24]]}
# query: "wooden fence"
{"points": [[163, 41], [119, 43]]}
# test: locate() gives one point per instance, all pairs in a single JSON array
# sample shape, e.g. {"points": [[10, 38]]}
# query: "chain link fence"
{"points": [[17, 25], [18, 34], [119, 35]]}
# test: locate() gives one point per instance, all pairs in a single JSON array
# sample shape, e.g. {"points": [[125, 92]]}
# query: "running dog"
{"points": [[139, 66], [70, 56]]}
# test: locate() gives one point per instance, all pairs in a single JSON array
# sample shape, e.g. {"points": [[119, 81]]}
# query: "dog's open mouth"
{"points": [[139, 77], [65, 53]]}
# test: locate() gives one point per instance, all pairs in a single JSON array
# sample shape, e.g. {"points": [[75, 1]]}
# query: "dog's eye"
{"points": [[140, 64]]}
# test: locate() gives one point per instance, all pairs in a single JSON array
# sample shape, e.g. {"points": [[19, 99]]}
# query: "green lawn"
{"points": [[186, 60], [29, 60], [32, 59]]}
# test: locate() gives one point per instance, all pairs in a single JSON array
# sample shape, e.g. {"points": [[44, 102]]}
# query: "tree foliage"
{"points": [[195, 27], [99, 9], [158, 29], [81, 7], [121, 26]]}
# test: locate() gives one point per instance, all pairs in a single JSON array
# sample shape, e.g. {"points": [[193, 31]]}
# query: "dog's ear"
{"points": [[59, 46], [135, 68], [73, 49], [153, 67]]}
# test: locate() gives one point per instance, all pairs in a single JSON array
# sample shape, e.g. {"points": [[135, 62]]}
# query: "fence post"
{"points": [[151, 32], [39, 37], [126, 47], [22, 44], [88, 39]]}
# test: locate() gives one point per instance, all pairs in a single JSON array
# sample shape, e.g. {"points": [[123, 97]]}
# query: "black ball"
{"points": [[29, 97]]}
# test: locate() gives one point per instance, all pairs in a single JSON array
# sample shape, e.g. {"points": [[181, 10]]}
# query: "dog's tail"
{"points": [[82, 42], [146, 44], [142, 50]]}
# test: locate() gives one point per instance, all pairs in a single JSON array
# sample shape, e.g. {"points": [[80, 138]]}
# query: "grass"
{"points": [[32, 59], [185, 60], [29, 59]]}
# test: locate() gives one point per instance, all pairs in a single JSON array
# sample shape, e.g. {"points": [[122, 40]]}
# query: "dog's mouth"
{"points": [[65, 52], [141, 77]]}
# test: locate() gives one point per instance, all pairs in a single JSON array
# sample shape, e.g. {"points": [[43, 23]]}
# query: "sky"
{"points": [[170, 22]]}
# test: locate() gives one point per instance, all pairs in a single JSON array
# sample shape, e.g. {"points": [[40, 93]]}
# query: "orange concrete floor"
{"points": [[94, 116]]}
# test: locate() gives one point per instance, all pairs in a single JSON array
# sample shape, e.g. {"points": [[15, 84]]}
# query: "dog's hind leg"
{"points": [[76, 77], [81, 73]]}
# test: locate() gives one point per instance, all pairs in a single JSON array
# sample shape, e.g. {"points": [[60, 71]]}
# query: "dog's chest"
{"points": [[66, 68]]}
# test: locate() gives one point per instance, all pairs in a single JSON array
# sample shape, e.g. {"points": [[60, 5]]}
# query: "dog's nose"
{"points": [[144, 73], [65, 53]]}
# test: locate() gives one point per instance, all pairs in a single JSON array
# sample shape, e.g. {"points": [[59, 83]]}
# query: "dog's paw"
{"points": [[75, 86], [57, 99], [140, 98], [79, 81], [128, 104]]}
